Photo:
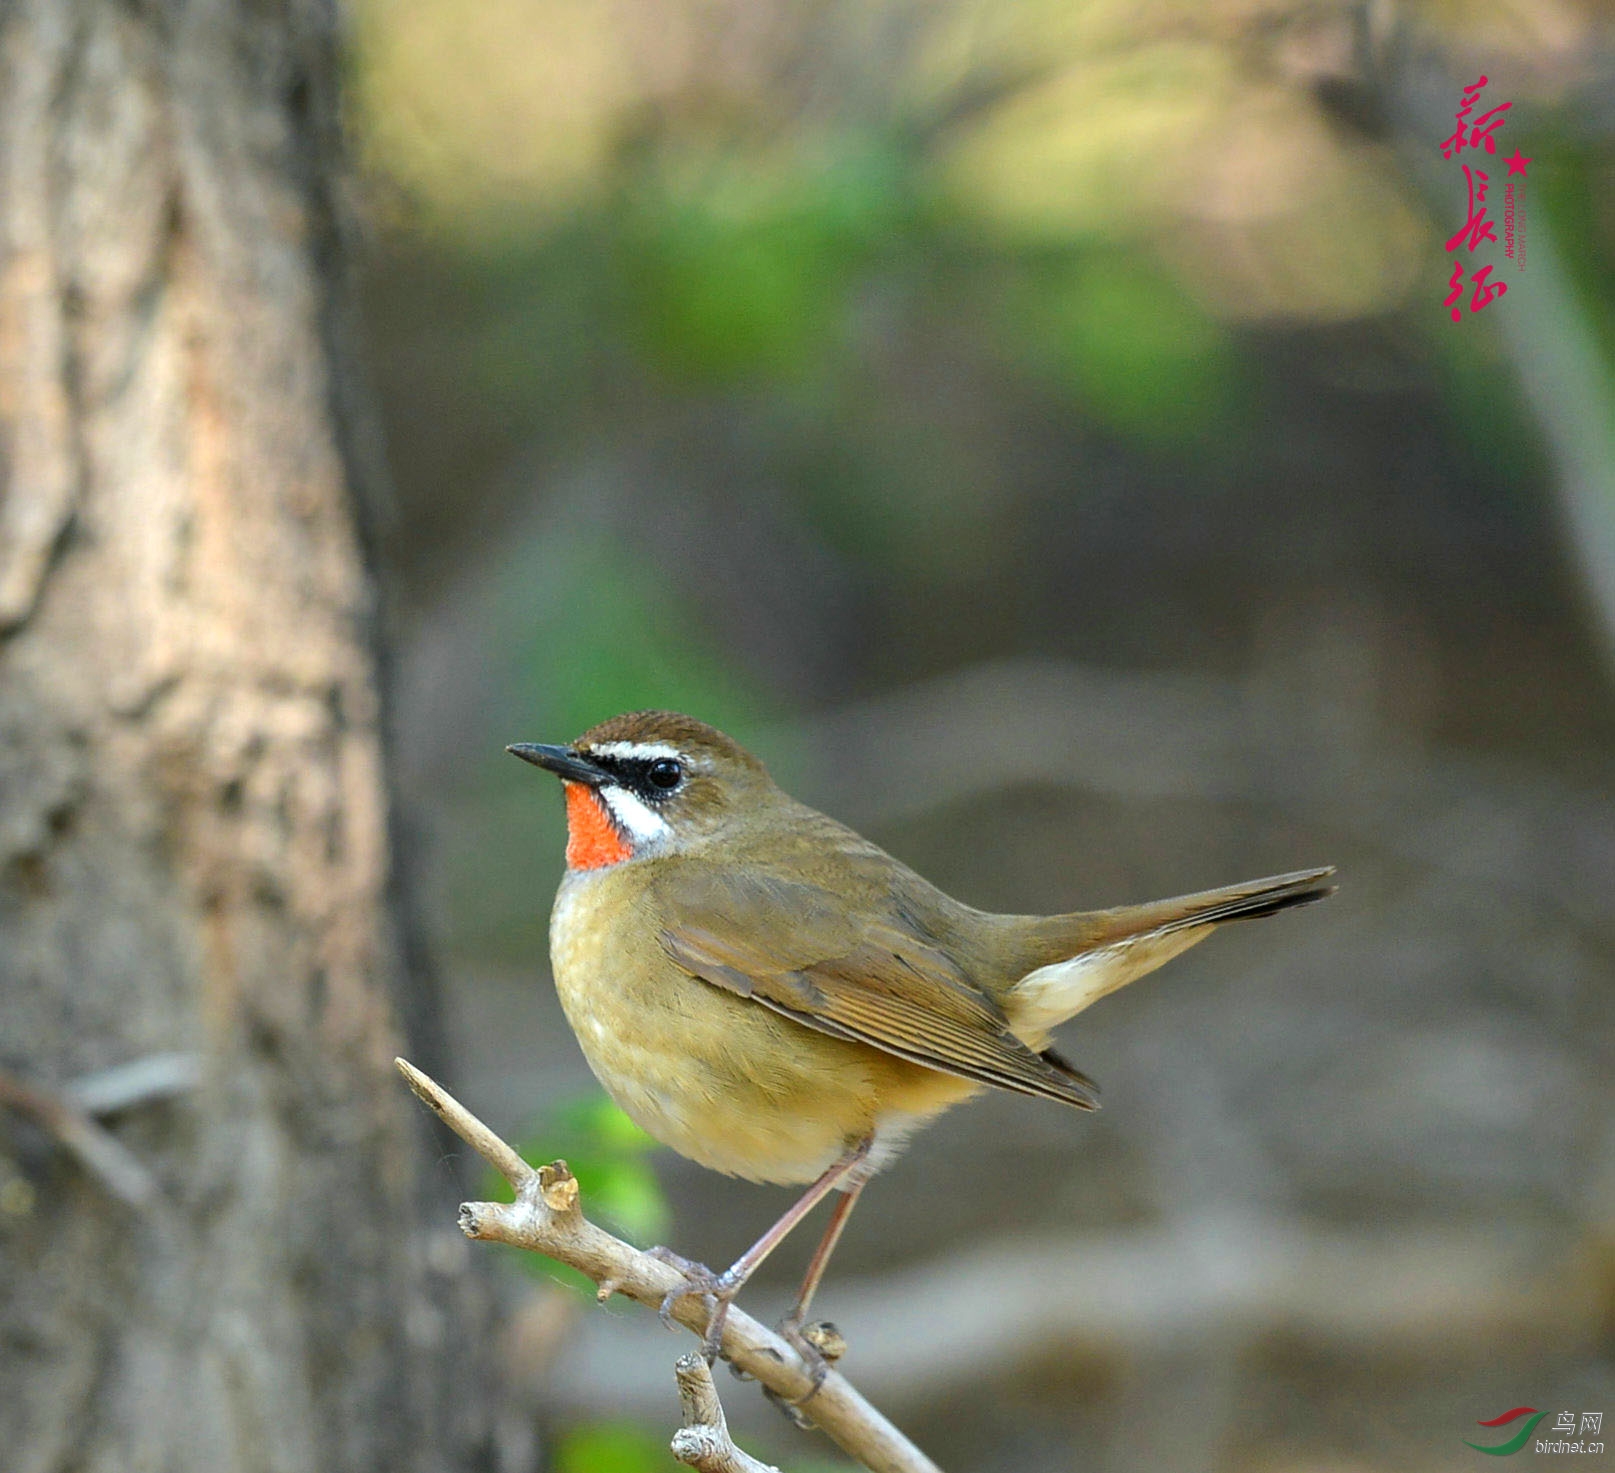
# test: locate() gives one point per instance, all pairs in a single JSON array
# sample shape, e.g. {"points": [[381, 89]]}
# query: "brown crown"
{"points": [[683, 732]]}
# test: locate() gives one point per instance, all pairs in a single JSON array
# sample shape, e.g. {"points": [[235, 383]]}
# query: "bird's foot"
{"points": [[687, 1266], [819, 1343], [717, 1291]]}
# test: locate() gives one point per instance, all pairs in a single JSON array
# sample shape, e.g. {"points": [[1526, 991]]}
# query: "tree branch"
{"points": [[546, 1218], [97, 1150], [703, 1441]]}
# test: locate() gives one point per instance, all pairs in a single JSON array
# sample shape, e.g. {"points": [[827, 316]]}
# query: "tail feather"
{"points": [[1085, 956], [1212, 907]]}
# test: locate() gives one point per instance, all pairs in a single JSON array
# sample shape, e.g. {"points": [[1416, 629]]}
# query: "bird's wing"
{"points": [[793, 947]]}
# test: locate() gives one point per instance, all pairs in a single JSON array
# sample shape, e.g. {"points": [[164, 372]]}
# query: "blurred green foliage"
{"points": [[620, 1447], [918, 275], [608, 1154], [1128, 344], [603, 630], [1574, 193], [594, 630], [612, 1447], [1052, 329], [1488, 424], [737, 269], [794, 275]]}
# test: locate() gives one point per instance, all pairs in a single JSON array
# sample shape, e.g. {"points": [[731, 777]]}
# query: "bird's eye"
{"points": [[664, 773]]}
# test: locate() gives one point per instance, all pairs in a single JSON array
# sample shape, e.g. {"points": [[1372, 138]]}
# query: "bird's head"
{"points": [[649, 782]]}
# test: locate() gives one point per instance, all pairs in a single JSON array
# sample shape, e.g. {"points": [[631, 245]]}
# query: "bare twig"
{"points": [[97, 1150], [546, 1218], [703, 1441], [147, 1080]]}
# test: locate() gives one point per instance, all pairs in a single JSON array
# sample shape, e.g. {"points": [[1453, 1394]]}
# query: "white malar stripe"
{"points": [[633, 751], [639, 820]]}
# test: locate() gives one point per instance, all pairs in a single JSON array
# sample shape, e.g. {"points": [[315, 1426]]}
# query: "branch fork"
{"points": [[547, 1217], [703, 1442]]}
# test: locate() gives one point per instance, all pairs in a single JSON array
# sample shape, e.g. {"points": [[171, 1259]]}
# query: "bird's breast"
{"points": [[721, 1079]]}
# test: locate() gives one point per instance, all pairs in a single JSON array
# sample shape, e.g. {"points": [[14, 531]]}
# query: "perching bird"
{"points": [[777, 998]]}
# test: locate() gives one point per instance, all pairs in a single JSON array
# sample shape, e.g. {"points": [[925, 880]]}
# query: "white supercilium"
{"points": [[633, 751]]}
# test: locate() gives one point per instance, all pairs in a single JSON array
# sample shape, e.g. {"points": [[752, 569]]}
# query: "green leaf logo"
{"points": [[1520, 1438]]}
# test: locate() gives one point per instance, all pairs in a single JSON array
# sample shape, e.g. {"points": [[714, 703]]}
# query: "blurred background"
{"points": [[1037, 430]]}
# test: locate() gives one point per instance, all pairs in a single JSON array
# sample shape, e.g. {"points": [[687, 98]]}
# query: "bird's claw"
{"points": [[789, 1409], [820, 1344], [715, 1290], [687, 1266]]}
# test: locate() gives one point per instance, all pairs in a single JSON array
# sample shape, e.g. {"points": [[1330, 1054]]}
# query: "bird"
{"points": [[775, 997]]}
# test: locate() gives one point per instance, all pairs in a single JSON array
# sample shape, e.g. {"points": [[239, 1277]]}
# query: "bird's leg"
{"points": [[821, 1254], [721, 1289], [790, 1328]]}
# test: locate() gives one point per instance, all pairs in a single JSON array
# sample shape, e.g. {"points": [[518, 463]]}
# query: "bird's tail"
{"points": [[1074, 960]]}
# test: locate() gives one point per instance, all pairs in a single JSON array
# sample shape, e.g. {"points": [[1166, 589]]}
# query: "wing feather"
{"points": [[885, 984]]}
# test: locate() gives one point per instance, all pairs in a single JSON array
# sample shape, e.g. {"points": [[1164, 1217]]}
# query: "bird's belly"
{"points": [[721, 1079]]}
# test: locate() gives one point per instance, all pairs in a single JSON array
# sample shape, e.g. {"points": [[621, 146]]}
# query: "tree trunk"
{"points": [[194, 849]]}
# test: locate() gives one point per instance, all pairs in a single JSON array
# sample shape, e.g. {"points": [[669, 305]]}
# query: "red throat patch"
{"points": [[592, 840]]}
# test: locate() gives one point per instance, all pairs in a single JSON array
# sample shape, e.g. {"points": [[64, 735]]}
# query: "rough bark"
{"points": [[194, 829]]}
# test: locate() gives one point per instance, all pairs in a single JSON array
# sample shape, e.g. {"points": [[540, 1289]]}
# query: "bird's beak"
{"points": [[566, 764]]}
